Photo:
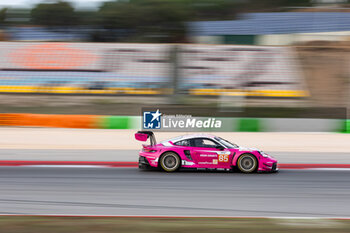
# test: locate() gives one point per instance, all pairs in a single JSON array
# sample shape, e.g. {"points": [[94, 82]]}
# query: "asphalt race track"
{"points": [[128, 191], [132, 155]]}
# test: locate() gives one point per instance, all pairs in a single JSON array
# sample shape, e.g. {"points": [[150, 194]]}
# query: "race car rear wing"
{"points": [[144, 135]]}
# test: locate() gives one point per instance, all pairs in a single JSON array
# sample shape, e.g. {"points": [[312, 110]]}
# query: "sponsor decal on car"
{"points": [[208, 155], [205, 162], [188, 163]]}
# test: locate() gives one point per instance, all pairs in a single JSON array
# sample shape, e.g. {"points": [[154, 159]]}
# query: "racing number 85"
{"points": [[223, 158]]}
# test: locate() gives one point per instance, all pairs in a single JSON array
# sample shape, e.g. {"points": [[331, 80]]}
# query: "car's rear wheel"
{"points": [[247, 163], [170, 162]]}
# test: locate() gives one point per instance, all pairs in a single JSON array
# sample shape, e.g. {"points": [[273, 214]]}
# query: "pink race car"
{"points": [[201, 151]]}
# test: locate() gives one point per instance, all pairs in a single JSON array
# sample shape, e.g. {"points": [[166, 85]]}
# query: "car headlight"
{"points": [[263, 154]]}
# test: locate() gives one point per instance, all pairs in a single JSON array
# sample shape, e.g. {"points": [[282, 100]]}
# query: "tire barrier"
{"points": [[46, 120]]}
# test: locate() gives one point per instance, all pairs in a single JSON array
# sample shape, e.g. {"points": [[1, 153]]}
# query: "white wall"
{"points": [[287, 39]]}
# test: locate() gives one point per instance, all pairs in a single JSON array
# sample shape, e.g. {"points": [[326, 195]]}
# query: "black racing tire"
{"points": [[247, 163], [170, 161]]}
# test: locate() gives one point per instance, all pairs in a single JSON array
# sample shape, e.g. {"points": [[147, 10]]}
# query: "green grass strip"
{"points": [[345, 126], [249, 125], [114, 122]]}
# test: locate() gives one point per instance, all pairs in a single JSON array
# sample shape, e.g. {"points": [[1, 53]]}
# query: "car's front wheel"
{"points": [[170, 162], [247, 163]]}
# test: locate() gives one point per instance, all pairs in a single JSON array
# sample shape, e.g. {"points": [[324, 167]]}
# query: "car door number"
{"points": [[223, 158]]}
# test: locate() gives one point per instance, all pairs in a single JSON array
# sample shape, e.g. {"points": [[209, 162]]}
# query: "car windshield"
{"points": [[226, 143]]}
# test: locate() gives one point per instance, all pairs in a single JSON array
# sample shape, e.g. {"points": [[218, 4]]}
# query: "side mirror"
{"points": [[219, 147]]}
